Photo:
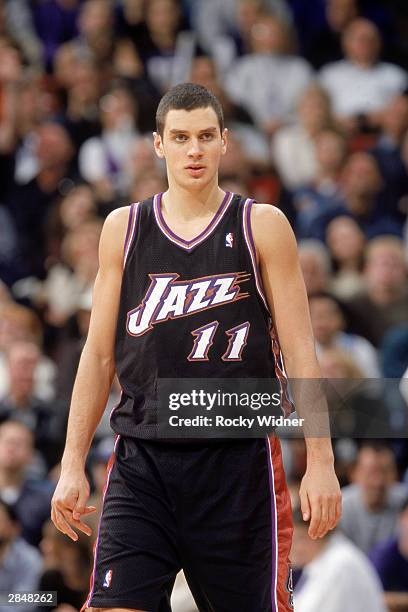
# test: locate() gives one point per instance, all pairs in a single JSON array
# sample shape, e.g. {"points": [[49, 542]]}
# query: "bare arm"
{"points": [[286, 296], [94, 378]]}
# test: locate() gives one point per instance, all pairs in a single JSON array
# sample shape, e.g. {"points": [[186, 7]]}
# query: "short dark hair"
{"points": [[187, 96]]}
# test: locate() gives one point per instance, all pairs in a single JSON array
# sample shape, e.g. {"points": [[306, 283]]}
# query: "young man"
{"points": [[170, 302]]}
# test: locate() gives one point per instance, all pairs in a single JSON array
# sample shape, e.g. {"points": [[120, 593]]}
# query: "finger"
{"points": [[332, 514], [79, 507], [304, 505], [338, 509], [63, 525], [78, 524], [315, 518], [89, 509], [324, 518]]}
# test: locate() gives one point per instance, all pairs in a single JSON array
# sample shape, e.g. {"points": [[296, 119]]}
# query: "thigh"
{"points": [[237, 529], [136, 559]]}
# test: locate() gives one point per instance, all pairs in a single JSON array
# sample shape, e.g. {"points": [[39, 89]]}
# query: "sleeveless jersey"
{"points": [[189, 309]]}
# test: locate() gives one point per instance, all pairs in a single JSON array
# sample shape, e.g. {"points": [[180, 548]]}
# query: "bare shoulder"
{"points": [[271, 229], [114, 234]]}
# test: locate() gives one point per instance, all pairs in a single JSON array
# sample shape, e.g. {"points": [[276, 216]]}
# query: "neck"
{"points": [[384, 295], [19, 400], [185, 205], [11, 478], [359, 205], [352, 263]]}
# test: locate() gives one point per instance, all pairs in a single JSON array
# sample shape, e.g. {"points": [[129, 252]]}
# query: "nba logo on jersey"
{"points": [[229, 240], [108, 578]]}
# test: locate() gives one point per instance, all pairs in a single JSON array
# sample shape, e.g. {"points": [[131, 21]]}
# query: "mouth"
{"points": [[195, 169]]}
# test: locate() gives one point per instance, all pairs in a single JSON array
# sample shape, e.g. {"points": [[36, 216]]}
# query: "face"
{"points": [[77, 207], [339, 13], [192, 146], [395, 116], [330, 151], [327, 319], [54, 146], [361, 176], [95, 17], [162, 16], [314, 274], [16, 446], [345, 239], [268, 36], [22, 364], [374, 473], [386, 268], [362, 42], [314, 110]]}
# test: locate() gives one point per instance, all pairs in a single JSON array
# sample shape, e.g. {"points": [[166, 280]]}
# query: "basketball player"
{"points": [[171, 301]]}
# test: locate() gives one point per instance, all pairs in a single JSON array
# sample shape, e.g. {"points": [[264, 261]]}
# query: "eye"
{"points": [[207, 136], [180, 138]]}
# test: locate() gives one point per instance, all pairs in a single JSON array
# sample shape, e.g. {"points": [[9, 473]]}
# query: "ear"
{"points": [[158, 145], [224, 141]]}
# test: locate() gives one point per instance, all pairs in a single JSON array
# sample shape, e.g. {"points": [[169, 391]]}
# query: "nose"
{"points": [[195, 151]]}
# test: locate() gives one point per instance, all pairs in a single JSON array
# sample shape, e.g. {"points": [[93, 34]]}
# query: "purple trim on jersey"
{"points": [[112, 463], [252, 250], [133, 215], [274, 529], [190, 244]]}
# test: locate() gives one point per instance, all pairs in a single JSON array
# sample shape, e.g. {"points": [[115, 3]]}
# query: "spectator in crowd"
{"points": [[315, 263], [346, 243], [293, 146], [167, 50], [390, 559], [329, 323], [223, 26], [55, 22], [367, 198], [102, 159], [95, 25], [21, 403], [335, 575], [79, 83], [31, 499], [129, 68], [321, 200], [254, 80], [77, 207], [387, 152], [384, 302], [236, 118], [29, 204], [20, 563], [19, 323], [74, 276], [377, 81], [325, 46], [372, 502]]}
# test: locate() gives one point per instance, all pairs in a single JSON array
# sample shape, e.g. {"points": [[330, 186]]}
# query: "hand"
{"points": [[320, 498], [69, 503]]}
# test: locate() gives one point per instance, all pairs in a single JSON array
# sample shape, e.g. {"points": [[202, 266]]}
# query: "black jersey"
{"points": [[189, 309]]}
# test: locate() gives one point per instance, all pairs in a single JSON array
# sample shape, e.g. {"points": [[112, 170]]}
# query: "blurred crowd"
{"points": [[315, 95]]}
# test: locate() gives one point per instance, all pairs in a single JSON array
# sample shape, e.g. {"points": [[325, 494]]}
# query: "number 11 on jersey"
{"points": [[204, 339]]}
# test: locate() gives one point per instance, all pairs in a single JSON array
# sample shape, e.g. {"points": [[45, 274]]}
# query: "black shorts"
{"points": [[221, 511]]}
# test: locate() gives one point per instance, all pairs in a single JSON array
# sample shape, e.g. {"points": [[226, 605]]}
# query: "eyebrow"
{"points": [[210, 129]]}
